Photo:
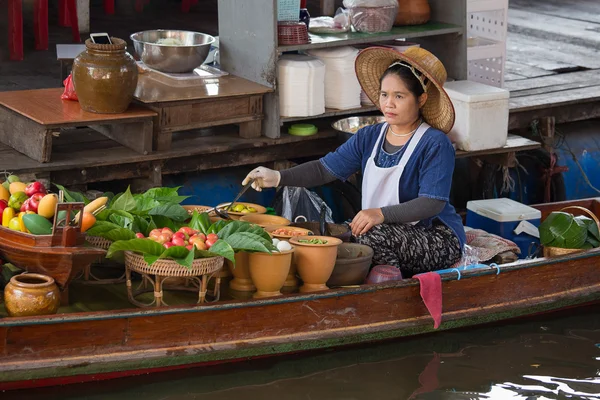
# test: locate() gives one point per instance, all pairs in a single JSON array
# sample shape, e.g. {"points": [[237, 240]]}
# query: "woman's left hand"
{"points": [[365, 220]]}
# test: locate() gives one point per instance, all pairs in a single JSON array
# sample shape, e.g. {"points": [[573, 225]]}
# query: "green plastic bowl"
{"points": [[302, 130]]}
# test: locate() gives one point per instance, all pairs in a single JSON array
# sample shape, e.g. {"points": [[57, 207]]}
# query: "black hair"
{"points": [[410, 80]]}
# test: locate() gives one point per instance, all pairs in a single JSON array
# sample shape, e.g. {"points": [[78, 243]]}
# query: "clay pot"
{"points": [[264, 220], [352, 265], [27, 295], [241, 281], [269, 272], [315, 262], [291, 281], [413, 12], [105, 77]]}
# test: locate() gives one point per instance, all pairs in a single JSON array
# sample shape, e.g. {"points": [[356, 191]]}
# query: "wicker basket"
{"points": [[558, 251], [170, 268], [99, 242], [373, 19]]}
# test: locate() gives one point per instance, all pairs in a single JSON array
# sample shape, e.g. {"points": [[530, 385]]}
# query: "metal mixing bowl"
{"points": [[349, 126], [170, 58]]}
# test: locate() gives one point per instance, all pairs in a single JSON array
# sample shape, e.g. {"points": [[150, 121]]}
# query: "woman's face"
{"points": [[399, 106]]}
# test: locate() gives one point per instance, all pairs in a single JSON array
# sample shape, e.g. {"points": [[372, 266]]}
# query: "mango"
{"points": [[47, 206], [4, 193], [17, 187]]}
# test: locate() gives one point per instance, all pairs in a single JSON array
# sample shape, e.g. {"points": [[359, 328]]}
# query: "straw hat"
{"points": [[372, 62]]}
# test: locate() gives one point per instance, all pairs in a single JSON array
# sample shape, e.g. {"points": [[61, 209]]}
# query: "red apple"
{"points": [[3, 205], [34, 187]]}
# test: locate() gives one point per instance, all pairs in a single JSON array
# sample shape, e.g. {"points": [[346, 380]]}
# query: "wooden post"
{"points": [[547, 128]]}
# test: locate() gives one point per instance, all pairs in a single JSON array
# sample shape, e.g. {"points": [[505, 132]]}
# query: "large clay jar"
{"points": [[105, 77], [269, 271], [315, 262], [413, 12], [241, 281], [31, 294]]}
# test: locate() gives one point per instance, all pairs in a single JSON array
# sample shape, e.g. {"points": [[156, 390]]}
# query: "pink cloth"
{"points": [[431, 293]]}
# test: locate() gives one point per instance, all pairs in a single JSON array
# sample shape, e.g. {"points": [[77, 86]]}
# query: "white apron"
{"points": [[380, 185]]}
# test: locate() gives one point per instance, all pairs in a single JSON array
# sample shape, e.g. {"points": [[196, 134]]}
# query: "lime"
{"points": [[13, 178]]}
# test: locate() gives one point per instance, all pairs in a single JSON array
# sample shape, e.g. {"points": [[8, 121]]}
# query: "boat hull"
{"points": [[52, 349], [38, 351]]}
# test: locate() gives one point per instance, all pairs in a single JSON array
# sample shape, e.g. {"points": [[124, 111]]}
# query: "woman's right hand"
{"points": [[263, 178]]}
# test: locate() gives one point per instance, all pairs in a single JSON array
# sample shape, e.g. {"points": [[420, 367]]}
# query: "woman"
{"points": [[406, 162]]}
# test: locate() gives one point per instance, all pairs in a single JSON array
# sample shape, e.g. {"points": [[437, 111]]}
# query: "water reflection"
{"points": [[554, 358]]}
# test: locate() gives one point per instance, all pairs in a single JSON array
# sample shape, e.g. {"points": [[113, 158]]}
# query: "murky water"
{"points": [[556, 357]]}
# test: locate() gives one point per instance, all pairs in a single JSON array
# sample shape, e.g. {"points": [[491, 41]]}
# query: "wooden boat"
{"points": [[62, 255], [68, 348]]}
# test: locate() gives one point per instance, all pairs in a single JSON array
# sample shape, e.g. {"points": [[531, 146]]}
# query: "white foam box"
{"points": [[481, 115]]}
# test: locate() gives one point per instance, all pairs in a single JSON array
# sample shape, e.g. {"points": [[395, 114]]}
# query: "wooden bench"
{"points": [[201, 103], [29, 119]]}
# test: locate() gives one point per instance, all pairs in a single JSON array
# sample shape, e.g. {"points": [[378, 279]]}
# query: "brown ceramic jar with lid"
{"points": [[413, 12], [105, 77]]}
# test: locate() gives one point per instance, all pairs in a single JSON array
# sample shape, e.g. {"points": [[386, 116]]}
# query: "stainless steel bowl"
{"points": [[172, 58], [349, 126]]}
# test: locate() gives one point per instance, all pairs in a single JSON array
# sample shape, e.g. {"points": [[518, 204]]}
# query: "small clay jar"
{"points": [[31, 294], [241, 281], [269, 272], [105, 77], [413, 12]]}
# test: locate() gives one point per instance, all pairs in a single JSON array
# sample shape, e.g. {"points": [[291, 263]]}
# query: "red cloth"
{"points": [[431, 293]]}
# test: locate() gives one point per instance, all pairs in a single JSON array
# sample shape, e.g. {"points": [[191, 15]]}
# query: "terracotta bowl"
{"points": [[265, 220], [237, 215], [269, 272], [241, 281], [296, 231], [315, 262], [352, 264]]}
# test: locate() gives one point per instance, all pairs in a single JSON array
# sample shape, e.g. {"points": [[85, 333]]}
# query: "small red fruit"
{"points": [[139, 235], [201, 235], [213, 237], [34, 187], [167, 230], [209, 243], [168, 245], [189, 247], [177, 241]]}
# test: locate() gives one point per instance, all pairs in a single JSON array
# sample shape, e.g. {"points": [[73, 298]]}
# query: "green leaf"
{"points": [[241, 226], [164, 222], [220, 248], [144, 246], [72, 197], [246, 241], [101, 227], [140, 224], [122, 221], [172, 211], [144, 204], [562, 230], [119, 234], [179, 254], [162, 192], [200, 222], [125, 202], [151, 226], [150, 259]]}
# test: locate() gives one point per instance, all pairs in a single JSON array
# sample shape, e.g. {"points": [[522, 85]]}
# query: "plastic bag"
{"points": [[69, 93], [370, 3], [297, 201], [338, 24]]}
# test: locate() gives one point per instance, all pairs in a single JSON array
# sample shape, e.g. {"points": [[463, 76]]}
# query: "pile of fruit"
{"points": [[242, 208], [185, 236], [29, 208]]}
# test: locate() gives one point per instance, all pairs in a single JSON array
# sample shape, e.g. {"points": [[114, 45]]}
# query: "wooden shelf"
{"points": [[353, 38], [331, 112], [514, 143]]}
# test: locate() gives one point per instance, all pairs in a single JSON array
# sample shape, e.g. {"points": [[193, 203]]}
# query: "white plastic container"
{"points": [[301, 82], [342, 90], [481, 115]]}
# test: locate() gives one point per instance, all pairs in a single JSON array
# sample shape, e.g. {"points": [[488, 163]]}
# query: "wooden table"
{"points": [[200, 103], [30, 119]]}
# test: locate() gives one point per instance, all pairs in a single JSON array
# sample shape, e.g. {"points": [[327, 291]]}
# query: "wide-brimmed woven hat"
{"points": [[372, 62]]}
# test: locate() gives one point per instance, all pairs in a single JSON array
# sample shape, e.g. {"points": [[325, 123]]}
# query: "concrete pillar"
{"points": [[83, 17]]}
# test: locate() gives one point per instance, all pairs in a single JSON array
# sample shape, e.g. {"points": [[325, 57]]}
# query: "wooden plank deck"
{"points": [[552, 67]]}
